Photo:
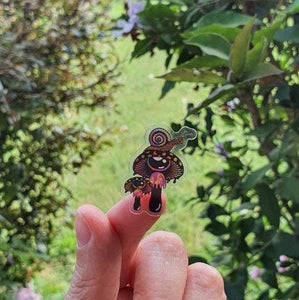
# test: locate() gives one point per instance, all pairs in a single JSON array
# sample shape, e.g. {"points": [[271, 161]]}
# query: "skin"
{"points": [[114, 262]]}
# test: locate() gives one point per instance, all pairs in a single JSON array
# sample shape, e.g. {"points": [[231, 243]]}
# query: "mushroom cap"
{"points": [[174, 171], [136, 183]]}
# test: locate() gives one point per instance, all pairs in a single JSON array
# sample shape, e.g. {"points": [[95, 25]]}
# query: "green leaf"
{"points": [[297, 225], [260, 71], [264, 295], [289, 34], [225, 18], [214, 210], [256, 55], [5, 222], [287, 244], [255, 177], [168, 85], [10, 192], [265, 131], [268, 32], [193, 75], [235, 283], [240, 47], [141, 47], [269, 276], [211, 44], [195, 259], [246, 226], [217, 228], [293, 8], [157, 17], [288, 188], [269, 204], [4, 247], [206, 61], [228, 33], [228, 120], [215, 95]]}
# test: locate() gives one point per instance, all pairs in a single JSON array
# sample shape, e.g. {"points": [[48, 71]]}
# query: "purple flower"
{"points": [[125, 27], [219, 149], [27, 294], [232, 104], [280, 265], [134, 9], [283, 258], [283, 269], [255, 272]]}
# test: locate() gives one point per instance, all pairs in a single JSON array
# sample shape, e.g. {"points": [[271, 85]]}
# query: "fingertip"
{"points": [[161, 260], [204, 282], [89, 211], [164, 242], [161, 236], [208, 275], [97, 222]]}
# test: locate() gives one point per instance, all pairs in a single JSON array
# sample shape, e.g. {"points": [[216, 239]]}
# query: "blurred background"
{"points": [[81, 82]]}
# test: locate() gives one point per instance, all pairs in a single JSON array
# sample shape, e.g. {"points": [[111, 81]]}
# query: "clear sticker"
{"points": [[156, 167]]}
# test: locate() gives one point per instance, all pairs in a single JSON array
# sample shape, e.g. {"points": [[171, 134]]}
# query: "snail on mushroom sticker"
{"points": [[157, 165]]}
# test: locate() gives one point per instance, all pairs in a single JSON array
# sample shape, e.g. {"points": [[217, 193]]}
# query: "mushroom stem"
{"points": [[155, 202], [136, 205]]}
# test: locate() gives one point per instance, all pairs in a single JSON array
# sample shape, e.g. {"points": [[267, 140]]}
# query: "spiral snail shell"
{"points": [[159, 137]]}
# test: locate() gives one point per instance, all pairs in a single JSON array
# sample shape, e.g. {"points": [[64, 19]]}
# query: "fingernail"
{"points": [[82, 231]]}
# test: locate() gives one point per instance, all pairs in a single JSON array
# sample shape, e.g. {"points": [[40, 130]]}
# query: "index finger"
{"points": [[130, 228]]}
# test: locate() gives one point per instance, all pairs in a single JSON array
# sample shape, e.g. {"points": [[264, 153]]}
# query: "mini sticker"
{"points": [[156, 166]]}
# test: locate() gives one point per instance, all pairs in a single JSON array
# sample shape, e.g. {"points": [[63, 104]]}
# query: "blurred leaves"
{"points": [[53, 63], [262, 70], [193, 75], [239, 49], [269, 204], [255, 177], [211, 44]]}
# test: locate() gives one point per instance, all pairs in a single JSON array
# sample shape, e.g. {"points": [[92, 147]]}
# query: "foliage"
{"points": [[53, 62], [247, 53]]}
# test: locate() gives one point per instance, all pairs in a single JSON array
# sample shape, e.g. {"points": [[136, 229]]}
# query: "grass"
{"points": [[138, 109]]}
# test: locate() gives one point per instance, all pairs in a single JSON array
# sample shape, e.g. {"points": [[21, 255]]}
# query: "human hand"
{"points": [[114, 263]]}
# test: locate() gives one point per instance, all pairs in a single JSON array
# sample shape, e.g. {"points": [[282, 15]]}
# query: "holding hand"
{"points": [[113, 263]]}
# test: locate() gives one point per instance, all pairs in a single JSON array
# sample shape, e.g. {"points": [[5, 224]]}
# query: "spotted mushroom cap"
{"points": [[135, 183], [174, 171]]}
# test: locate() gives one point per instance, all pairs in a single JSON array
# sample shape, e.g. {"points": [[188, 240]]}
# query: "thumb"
{"points": [[98, 258]]}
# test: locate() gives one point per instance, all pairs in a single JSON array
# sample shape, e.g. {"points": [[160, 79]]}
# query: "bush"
{"points": [[55, 59], [247, 53]]}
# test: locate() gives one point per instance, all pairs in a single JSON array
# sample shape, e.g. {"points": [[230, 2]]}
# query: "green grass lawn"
{"points": [[138, 109]]}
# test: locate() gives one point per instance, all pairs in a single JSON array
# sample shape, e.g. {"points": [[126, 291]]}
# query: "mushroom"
{"points": [[150, 161], [138, 186]]}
